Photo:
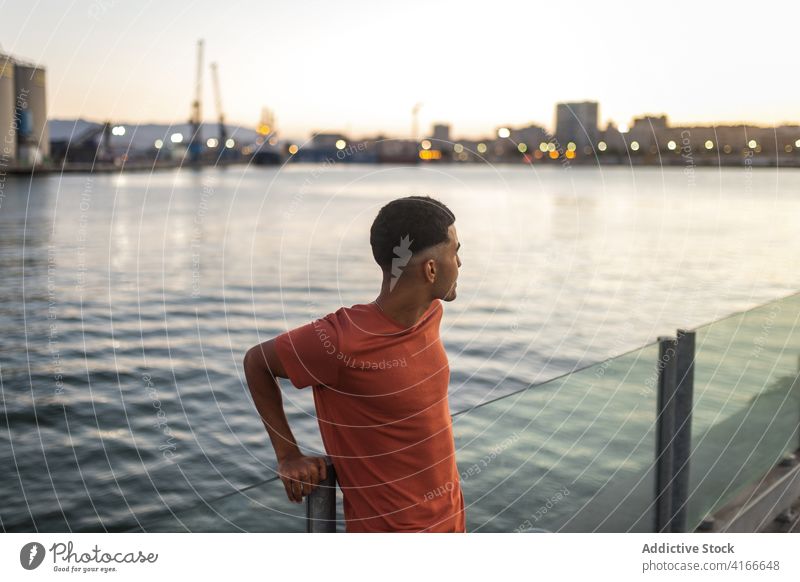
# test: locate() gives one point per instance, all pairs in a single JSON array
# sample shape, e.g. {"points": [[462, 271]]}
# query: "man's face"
{"points": [[449, 265]]}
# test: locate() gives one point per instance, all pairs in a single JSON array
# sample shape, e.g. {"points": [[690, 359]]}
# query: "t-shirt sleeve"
{"points": [[310, 354]]}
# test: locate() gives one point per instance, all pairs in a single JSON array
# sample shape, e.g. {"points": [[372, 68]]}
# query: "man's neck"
{"points": [[403, 307]]}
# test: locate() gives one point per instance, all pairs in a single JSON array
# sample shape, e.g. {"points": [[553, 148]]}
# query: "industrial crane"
{"points": [[196, 143], [414, 115], [223, 135]]}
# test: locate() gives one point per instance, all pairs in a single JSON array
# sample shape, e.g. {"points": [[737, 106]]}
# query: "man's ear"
{"points": [[430, 270]]}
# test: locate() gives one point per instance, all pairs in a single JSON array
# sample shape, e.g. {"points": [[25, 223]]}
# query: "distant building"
{"points": [[648, 131], [577, 122], [23, 113], [657, 122], [396, 151], [323, 147], [531, 136], [327, 140], [613, 139], [441, 134], [8, 149]]}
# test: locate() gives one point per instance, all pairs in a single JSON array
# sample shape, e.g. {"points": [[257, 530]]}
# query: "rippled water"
{"points": [[129, 300]]}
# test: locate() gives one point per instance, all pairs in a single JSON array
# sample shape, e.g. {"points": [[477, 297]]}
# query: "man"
{"points": [[380, 376]]}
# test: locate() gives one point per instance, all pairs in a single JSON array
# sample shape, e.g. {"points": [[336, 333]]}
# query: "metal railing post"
{"points": [[682, 445], [665, 431], [321, 504]]}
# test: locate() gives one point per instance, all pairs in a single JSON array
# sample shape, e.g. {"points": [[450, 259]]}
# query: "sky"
{"points": [[359, 67]]}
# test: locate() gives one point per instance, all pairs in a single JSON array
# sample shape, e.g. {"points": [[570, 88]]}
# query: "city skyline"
{"points": [[360, 68]]}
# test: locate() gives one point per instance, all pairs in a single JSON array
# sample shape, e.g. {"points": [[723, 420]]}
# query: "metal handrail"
{"points": [[321, 503]]}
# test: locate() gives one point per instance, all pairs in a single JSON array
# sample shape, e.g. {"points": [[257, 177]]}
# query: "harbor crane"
{"points": [[195, 142], [414, 116], [223, 135]]}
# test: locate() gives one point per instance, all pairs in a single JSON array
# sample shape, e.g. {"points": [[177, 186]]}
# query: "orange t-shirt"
{"points": [[380, 391]]}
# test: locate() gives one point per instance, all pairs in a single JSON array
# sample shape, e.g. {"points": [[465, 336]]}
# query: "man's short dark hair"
{"points": [[422, 219]]}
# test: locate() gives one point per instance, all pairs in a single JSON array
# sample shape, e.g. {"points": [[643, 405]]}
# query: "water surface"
{"points": [[128, 302]]}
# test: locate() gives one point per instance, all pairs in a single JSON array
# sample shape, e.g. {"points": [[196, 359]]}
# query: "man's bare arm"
{"points": [[299, 473]]}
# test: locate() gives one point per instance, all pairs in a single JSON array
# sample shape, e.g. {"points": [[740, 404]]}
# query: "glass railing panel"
{"points": [[746, 402], [573, 454]]}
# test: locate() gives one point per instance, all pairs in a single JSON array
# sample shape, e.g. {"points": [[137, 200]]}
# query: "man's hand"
{"points": [[301, 474]]}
